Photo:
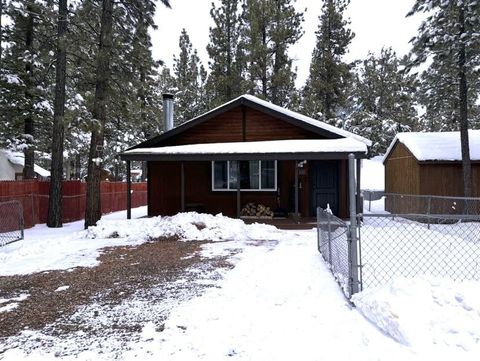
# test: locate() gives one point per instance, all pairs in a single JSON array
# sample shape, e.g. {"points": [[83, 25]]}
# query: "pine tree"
{"points": [[190, 79], [383, 98], [25, 78], [270, 28], [324, 94], [225, 79], [452, 28], [438, 94]]}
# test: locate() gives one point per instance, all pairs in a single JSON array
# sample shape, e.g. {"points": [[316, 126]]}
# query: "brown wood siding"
{"points": [[164, 190], [260, 126], [228, 127], [402, 171], [402, 176], [447, 179]]}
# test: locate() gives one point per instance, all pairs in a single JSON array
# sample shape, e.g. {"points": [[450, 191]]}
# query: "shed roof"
{"points": [[251, 101], [274, 149], [437, 146]]}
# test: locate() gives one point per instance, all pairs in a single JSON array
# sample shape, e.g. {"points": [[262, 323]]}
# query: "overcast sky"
{"points": [[376, 23]]}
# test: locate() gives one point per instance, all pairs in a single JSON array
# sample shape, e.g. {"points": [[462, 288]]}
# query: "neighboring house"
{"points": [[11, 166], [430, 164], [286, 161]]}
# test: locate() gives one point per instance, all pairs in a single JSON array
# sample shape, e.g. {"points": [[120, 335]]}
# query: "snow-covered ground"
{"points": [[279, 302], [46, 248]]}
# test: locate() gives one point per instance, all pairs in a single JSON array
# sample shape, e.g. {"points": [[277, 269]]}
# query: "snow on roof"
{"points": [[18, 158], [263, 147], [442, 146], [298, 116]]}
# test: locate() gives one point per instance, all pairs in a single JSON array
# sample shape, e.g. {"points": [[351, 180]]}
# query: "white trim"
{"points": [[228, 189]]}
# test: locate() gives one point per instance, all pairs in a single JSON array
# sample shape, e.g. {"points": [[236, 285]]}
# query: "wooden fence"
{"points": [[33, 195]]}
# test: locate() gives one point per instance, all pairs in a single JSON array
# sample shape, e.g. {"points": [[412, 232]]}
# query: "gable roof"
{"points": [[437, 146], [253, 102]]}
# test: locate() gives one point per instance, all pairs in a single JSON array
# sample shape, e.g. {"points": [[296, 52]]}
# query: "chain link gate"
{"points": [[11, 222]]}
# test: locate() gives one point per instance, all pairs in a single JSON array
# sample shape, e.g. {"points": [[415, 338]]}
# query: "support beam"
{"points": [[359, 192], [182, 186], [297, 216], [238, 190], [129, 191]]}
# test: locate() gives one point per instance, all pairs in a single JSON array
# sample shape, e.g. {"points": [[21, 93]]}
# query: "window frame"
{"points": [[228, 189]]}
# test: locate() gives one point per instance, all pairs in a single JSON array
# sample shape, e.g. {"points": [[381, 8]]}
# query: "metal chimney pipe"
{"points": [[168, 111]]}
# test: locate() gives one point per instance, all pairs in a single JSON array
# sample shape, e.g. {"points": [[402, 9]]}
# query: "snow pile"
{"points": [[426, 313], [62, 248], [190, 226]]}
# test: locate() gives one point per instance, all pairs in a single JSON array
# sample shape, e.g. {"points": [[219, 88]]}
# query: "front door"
{"points": [[323, 185]]}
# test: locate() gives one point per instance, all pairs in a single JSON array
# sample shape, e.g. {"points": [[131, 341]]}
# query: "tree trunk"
{"points": [[54, 218], [78, 167], [463, 104], [28, 169], [93, 211], [1, 33]]}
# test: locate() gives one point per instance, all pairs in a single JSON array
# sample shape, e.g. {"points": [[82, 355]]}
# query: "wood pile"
{"points": [[256, 210]]}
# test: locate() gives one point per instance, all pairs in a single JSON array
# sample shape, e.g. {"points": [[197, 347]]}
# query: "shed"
{"points": [[430, 164], [285, 160]]}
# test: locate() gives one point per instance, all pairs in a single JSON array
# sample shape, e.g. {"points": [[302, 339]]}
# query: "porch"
{"points": [[223, 177]]}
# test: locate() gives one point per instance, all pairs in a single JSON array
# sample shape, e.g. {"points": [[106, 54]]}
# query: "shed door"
{"points": [[324, 185]]}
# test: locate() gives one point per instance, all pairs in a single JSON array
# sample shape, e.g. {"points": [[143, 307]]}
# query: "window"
{"points": [[254, 175]]}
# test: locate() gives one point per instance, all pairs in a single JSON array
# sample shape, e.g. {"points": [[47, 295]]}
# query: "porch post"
{"points": [[359, 192], [182, 186], [238, 189], [297, 218], [129, 191]]}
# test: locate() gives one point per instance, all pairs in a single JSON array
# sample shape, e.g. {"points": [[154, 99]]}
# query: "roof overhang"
{"points": [[294, 149]]}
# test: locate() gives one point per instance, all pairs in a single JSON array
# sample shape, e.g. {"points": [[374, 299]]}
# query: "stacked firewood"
{"points": [[256, 210]]}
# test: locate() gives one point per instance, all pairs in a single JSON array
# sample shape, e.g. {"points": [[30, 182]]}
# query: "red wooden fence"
{"points": [[33, 196]]}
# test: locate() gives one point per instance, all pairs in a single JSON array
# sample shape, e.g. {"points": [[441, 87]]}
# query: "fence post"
{"points": [[329, 217], [353, 225], [429, 204], [369, 201], [318, 229], [22, 222]]}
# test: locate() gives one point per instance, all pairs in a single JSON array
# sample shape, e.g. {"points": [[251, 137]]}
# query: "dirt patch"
{"points": [[124, 272]]}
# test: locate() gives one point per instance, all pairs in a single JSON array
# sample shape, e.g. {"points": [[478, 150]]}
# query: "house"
{"points": [[429, 164], [11, 166], [284, 160]]}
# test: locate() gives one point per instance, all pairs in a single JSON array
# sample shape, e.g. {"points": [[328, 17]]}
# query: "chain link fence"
{"points": [[333, 242], [428, 235], [11, 222], [395, 245], [421, 204]]}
